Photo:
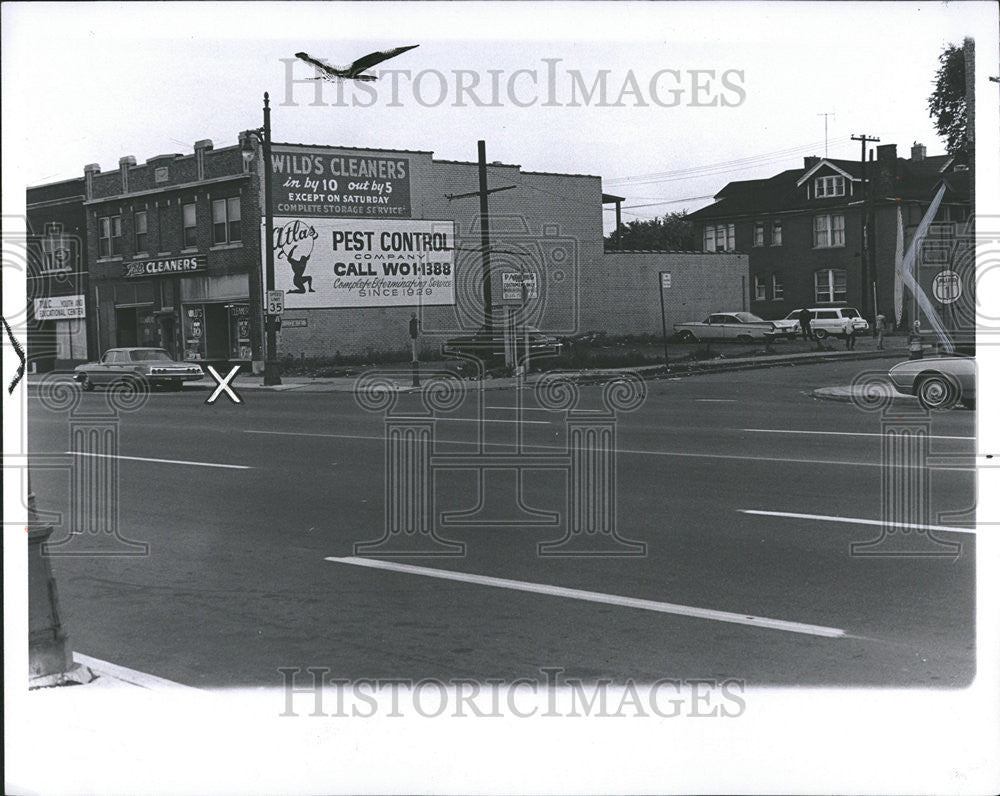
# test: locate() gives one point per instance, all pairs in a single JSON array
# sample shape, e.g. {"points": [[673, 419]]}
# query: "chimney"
{"points": [[917, 152], [124, 164], [810, 161], [88, 173], [200, 148], [887, 153]]}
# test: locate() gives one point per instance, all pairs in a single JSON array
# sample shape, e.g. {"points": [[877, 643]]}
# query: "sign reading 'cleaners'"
{"points": [[314, 182], [165, 265]]}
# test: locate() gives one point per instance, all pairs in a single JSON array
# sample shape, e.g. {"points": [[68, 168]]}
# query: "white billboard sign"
{"points": [[59, 308], [342, 262]]}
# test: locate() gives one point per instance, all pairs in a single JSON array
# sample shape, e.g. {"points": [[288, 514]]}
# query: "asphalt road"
{"points": [[238, 582]]}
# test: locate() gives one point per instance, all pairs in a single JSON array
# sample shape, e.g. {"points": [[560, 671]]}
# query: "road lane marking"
{"points": [[715, 400], [839, 433], [859, 521], [494, 420], [725, 456], [160, 461], [596, 597], [141, 679]]}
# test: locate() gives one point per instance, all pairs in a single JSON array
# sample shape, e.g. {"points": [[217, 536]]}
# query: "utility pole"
{"points": [[826, 136], [864, 139], [484, 232]]}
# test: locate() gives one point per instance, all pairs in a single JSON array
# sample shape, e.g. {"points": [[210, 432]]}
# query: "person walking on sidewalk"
{"points": [[879, 331], [805, 318]]}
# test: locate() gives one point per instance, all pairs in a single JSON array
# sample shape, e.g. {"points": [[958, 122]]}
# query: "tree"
{"points": [[672, 232], [947, 104]]}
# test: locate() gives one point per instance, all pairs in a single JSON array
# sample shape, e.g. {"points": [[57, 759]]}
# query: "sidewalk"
{"points": [[895, 349]]}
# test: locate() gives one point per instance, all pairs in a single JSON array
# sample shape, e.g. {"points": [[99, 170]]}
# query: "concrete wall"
{"points": [[622, 296]]}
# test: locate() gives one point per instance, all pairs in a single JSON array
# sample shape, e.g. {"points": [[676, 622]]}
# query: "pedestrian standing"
{"points": [[879, 331], [849, 335], [805, 318]]}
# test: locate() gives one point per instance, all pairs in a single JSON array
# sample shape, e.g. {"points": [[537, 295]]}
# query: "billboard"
{"points": [[323, 183], [336, 262]]}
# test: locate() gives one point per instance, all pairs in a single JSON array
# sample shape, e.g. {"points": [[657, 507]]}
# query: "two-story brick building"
{"points": [[173, 249], [804, 229]]}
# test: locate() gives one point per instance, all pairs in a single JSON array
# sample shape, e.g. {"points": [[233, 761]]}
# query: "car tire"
{"points": [[687, 337], [936, 392], [85, 383], [821, 334]]}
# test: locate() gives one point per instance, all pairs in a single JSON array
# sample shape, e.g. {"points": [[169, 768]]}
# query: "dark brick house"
{"points": [[173, 247], [803, 229]]}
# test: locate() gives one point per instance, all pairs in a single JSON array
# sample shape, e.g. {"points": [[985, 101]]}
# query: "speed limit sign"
{"points": [[275, 302]]}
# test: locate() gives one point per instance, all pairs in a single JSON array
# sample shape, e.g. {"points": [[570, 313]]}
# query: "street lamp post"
{"points": [[272, 374]]}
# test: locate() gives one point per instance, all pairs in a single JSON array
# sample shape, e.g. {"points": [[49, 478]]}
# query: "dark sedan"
{"points": [[152, 365]]}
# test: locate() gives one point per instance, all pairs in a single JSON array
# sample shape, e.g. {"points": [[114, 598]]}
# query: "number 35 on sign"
{"points": [[275, 302]]}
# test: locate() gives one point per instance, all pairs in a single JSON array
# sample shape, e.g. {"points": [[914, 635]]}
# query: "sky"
{"points": [[92, 82]]}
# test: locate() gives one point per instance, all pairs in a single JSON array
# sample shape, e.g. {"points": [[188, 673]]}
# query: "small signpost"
{"points": [[275, 302], [414, 334], [664, 285]]}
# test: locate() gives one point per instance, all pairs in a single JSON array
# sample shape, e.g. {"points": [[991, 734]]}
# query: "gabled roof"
{"points": [[830, 164]]}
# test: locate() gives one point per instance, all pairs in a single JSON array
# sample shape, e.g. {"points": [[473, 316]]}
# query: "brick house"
{"points": [[803, 228]]}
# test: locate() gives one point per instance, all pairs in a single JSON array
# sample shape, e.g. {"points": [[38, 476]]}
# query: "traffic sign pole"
{"points": [[664, 279]]}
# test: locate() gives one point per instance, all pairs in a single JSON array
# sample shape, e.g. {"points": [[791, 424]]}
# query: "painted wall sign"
{"points": [[307, 182], [363, 263], [165, 265], [59, 308]]}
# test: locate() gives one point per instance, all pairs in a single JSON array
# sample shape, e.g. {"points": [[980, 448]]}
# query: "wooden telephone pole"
{"points": [[865, 217]]}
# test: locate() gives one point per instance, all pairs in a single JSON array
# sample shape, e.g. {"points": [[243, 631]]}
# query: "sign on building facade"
{"points": [[341, 262]]}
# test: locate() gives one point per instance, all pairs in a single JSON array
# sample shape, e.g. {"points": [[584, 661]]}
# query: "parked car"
{"points": [[938, 382], [153, 365], [829, 321], [789, 325], [741, 327], [490, 345]]}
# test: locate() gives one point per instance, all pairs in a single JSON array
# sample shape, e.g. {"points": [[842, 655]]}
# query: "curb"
{"points": [[846, 395], [600, 376]]}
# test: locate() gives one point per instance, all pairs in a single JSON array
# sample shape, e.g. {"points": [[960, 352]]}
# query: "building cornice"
{"points": [[185, 186]]}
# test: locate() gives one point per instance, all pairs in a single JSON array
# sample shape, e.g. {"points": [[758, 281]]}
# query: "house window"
{"points": [[109, 235], [829, 186], [777, 287], [775, 233], [190, 226], [828, 230], [758, 233], [759, 289], [226, 220], [141, 237], [720, 238], [831, 285]]}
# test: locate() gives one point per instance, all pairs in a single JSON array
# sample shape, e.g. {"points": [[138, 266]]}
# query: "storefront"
{"points": [[174, 304]]}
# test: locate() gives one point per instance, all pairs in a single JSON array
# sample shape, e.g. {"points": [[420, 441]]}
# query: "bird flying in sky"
{"points": [[353, 71]]}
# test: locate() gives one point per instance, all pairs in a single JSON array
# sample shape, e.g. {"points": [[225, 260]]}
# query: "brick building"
{"points": [[803, 229], [56, 276], [174, 253]]}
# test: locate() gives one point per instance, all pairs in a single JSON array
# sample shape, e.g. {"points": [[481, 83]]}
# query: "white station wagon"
{"points": [[738, 327]]}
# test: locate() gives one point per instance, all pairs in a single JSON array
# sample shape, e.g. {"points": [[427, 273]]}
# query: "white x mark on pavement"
{"points": [[223, 385]]}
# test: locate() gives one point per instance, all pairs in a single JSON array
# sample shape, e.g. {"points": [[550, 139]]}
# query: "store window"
{"points": [[219, 330], [758, 233], [226, 220], [190, 226], [109, 235]]}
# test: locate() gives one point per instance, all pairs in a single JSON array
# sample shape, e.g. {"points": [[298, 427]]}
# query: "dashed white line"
{"points": [[715, 400], [839, 433], [596, 597], [160, 461], [859, 521]]}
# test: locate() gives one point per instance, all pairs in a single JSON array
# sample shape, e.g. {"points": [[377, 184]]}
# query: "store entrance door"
{"points": [[167, 335]]}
